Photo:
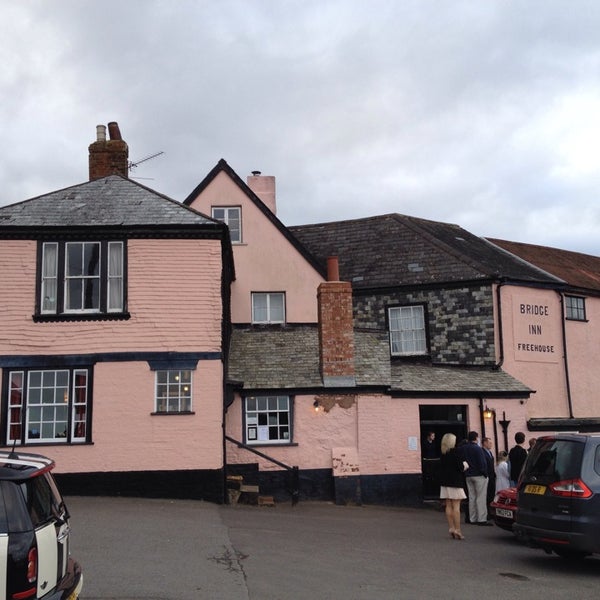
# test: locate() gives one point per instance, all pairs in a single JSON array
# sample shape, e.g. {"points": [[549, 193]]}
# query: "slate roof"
{"points": [[112, 201], [288, 358], [395, 250], [422, 378], [576, 269]]}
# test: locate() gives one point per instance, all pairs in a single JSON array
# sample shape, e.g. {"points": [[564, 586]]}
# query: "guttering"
{"points": [[565, 359]]}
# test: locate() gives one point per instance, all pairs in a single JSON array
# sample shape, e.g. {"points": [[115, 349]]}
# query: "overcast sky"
{"points": [[484, 113]]}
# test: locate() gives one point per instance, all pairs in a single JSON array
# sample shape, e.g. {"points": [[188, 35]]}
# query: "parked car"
{"points": [[504, 508], [559, 495], [34, 532]]}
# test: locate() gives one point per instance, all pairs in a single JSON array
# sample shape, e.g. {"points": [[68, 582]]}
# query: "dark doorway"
{"points": [[439, 420]]}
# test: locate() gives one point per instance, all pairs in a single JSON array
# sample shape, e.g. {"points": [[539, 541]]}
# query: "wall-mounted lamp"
{"points": [[317, 406], [488, 413]]}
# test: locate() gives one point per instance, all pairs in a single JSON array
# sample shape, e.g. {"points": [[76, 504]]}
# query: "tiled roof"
{"points": [[578, 270], [425, 378], [288, 357], [108, 202], [393, 250]]}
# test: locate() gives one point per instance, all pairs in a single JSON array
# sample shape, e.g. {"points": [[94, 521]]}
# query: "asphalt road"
{"points": [[179, 550]]}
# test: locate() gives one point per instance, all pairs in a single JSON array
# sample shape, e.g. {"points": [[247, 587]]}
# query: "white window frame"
{"points": [[173, 391], [575, 308], [270, 303], [268, 419], [51, 404], [232, 217], [74, 304], [407, 330], [56, 275]]}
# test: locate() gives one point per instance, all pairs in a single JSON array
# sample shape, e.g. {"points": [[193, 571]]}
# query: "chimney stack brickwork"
{"points": [[336, 332], [108, 157]]}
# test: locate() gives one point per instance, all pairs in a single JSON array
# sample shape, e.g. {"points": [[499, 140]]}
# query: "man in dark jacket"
{"points": [[517, 457], [477, 480]]}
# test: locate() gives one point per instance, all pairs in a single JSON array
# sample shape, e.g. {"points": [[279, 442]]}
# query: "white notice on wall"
{"points": [[412, 443], [263, 433]]}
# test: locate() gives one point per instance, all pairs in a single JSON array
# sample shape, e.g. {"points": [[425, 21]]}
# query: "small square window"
{"points": [[173, 391], [575, 308], [268, 307], [268, 420]]}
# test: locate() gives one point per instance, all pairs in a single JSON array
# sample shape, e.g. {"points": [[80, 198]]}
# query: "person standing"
{"points": [[477, 480], [502, 472], [517, 457], [451, 484], [491, 473], [428, 449]]}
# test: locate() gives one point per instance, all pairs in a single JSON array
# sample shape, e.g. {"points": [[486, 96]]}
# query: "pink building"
{"points": [[112, 335], [153, 347]]}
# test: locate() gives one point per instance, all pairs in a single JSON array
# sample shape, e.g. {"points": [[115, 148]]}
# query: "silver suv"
{"points": [[559, 495], [34, 532]]}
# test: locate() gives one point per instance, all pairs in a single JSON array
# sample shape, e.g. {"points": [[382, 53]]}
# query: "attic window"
{"points": [[232, 217]]}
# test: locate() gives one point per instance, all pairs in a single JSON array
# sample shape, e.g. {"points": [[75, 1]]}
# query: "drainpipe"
{"points": [[500, 334], [565, 360]]}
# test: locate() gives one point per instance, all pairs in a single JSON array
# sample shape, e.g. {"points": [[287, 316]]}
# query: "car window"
{"points": [[597, 460], [15, 512], [555, 459], [39, 500]]}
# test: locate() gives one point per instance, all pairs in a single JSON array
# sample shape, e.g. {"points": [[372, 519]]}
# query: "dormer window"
{"points": [[81, 278], [232, 217]]}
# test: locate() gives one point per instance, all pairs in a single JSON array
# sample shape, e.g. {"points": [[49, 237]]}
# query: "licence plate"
{"points": [[535, 489], [502, 512]]}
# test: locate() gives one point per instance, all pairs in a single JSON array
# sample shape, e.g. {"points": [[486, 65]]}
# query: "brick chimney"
{"points": [[108, 157], [264, 187], [336, 331]]}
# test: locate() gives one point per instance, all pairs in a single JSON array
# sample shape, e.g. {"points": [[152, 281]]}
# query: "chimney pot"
{"points": [[256, 173], [108, 157], [333, 268]]}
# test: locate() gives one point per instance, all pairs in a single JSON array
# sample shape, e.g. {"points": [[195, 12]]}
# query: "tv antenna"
{"points": [[133, 164]]}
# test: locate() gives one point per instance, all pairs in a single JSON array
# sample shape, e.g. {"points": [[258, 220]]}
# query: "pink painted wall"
{"points": [[127, 437], [174, 297], [384, 433], [175, 304], [533, 347], [582, 349], [265, 261]]}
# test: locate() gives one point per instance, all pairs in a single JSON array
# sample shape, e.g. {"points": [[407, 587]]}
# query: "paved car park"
{"points": [[178, 550]]}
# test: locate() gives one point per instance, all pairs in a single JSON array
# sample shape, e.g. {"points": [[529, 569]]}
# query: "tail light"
{"points": [[32, 565], [571, 488]]}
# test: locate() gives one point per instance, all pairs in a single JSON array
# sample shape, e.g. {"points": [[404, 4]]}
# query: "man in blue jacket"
{"points": [[477, 481]]}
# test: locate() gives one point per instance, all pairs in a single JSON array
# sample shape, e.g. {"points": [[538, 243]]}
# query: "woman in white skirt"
{"points": [[452, 481]]}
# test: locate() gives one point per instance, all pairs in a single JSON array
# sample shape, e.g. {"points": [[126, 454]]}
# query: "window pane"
{"points": [[115, 276], [270, 422], [47, 405], [173, 391], [407, 330], [49, 277]]}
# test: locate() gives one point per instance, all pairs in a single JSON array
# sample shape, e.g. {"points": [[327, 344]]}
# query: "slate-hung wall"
{"points": [[460, 321]]}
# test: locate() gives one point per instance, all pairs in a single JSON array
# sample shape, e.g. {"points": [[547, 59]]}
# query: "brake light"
{"points": [[32, 565], [571, 488]]}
